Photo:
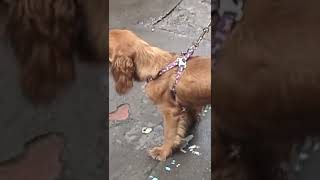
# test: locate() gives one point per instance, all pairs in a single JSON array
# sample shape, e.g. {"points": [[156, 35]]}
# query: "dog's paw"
{"points": [[159, 153]]}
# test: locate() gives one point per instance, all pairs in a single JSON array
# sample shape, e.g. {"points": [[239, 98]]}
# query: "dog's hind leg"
{"points": [[186, 121]]}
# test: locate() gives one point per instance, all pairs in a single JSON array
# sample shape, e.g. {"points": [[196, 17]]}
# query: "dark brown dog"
{"points": [[132, 59], [267, 88], [45, 36]]}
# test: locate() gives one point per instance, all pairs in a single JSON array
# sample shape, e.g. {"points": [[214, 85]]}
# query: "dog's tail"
{"points": [[42, 33]]}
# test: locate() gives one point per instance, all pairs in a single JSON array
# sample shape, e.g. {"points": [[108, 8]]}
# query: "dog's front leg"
{"points": [[171, 115]]}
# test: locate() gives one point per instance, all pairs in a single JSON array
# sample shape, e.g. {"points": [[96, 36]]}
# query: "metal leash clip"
{"points": [[182, 62], [204, 32]]}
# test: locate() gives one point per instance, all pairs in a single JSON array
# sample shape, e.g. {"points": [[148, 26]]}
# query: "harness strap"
{"points": [[181, 62]]}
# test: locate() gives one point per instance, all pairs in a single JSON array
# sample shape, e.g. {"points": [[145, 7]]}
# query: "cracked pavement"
{"points": [[173, 26]]}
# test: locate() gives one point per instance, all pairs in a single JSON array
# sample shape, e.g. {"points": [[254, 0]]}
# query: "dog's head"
{"points": [[123, 46]]}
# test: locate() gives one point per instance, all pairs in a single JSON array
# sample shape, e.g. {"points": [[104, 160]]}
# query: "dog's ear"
{"points": [[42, 34], [122, 70]]}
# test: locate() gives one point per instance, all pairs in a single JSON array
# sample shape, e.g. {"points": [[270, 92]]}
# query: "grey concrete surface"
{"points": [[308, 168], [128, 159], [79, 115], [127, 13]]}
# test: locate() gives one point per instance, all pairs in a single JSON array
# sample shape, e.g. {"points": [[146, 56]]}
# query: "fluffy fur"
{"points": [[133, 59], [266, 89], [44, 35]]}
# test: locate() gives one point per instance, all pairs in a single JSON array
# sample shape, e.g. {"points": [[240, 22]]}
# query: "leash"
{"points": [[181, 62], [227, 13]]}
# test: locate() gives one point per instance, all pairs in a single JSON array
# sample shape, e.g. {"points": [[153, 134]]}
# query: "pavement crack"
{"points": [[181, 34], [159, 19]]}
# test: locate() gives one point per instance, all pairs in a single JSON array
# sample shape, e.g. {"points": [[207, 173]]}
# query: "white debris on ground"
{"points": [[196, 153], [167, 168], [193, 151], [191, 148], [171, 165], [182, 150], [205, 110], [153, 178], [185, 142], [194, 147], [185, 147], [146, 130]]}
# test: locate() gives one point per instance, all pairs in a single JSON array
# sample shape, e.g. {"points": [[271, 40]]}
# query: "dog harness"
{"points": [[180, 62], [229, 12]]}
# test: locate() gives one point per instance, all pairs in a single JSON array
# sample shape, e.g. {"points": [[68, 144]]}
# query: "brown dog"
{"points": [[45, 36], [132, 59], [267, 88]]}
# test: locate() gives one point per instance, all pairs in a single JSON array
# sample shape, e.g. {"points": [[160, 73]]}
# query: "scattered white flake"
{"points": [[153, 178], [182, 150], [196, 153], [193, 147], [167, 168], [146, 130]]}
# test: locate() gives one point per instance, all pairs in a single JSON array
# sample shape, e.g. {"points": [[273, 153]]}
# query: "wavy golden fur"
{"points": [[45, 35], [133, 59]]}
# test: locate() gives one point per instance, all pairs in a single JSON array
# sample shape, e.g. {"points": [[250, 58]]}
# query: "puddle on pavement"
{"points": [[40, 160], [122, 113]]}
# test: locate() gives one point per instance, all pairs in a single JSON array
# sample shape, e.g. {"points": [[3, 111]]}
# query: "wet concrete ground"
{"points": [[175, 33]]}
